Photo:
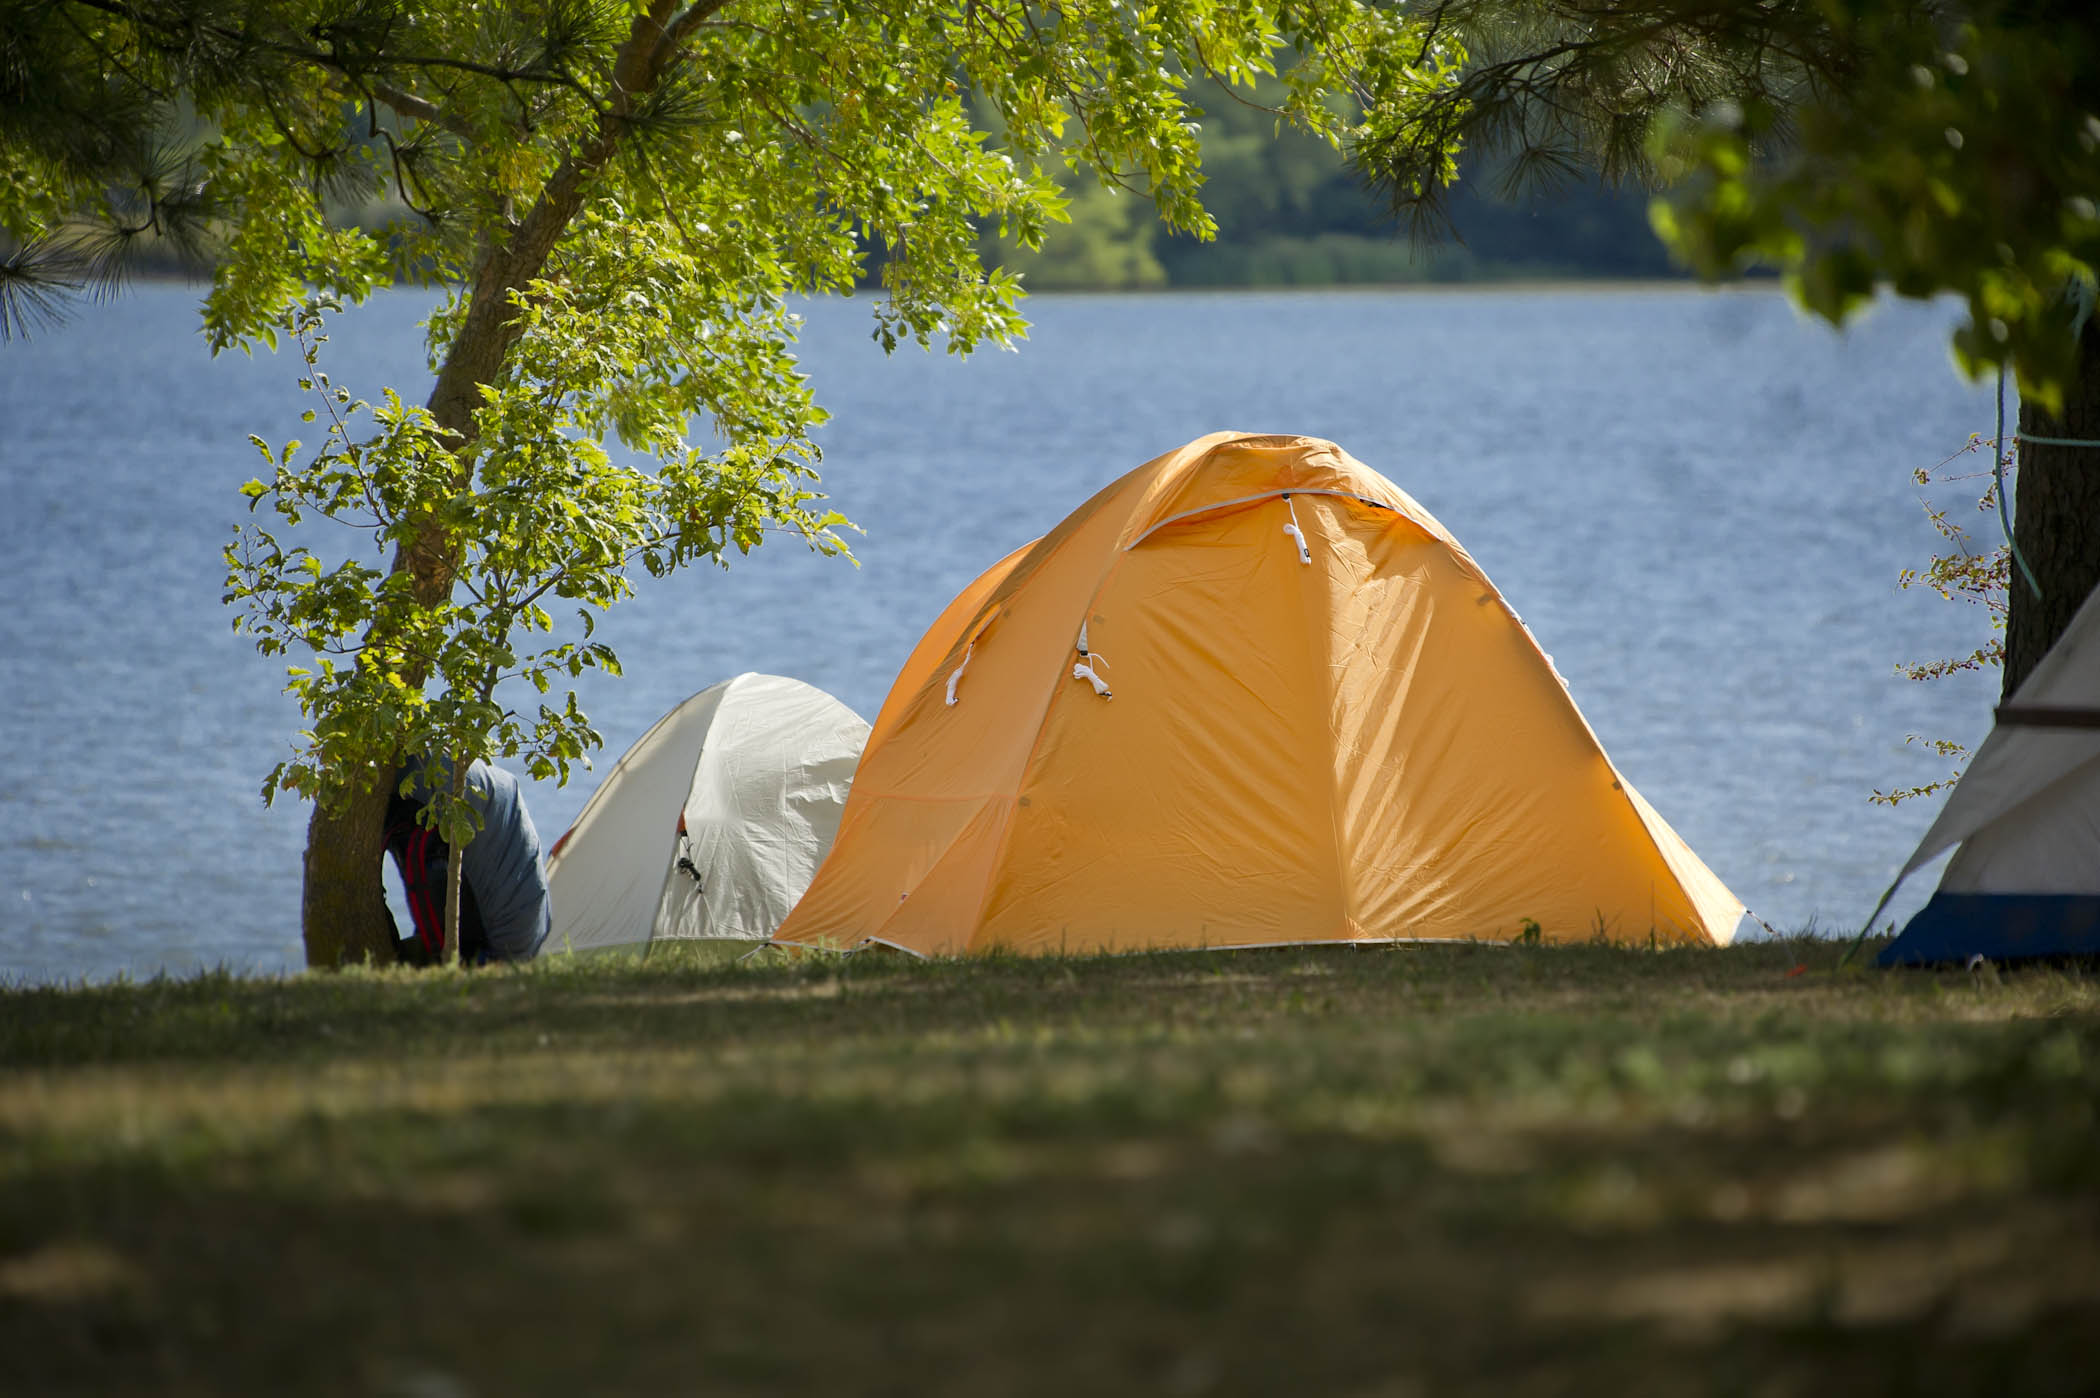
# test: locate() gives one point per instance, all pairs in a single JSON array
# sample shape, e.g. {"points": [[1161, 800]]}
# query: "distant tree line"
{"points": [[1291, 211]]}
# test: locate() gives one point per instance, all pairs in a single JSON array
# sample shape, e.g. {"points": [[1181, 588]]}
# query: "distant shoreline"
{"points": [[1558, 283], [1555, 285]]}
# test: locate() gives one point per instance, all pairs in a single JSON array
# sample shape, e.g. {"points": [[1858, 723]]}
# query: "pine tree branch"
{"points": [[682, 28], [1559, 76], [35, 280], [416, 108], [177, 34]]}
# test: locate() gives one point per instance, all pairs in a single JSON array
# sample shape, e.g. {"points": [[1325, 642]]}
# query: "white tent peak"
{"points": [[711, 826]]}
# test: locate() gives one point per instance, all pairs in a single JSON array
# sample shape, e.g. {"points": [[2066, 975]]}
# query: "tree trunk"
{"points": [[344, 902], [2056, 518]]}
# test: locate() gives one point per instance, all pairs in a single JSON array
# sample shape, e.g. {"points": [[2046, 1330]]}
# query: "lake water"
{"points": [[1699, 501]]}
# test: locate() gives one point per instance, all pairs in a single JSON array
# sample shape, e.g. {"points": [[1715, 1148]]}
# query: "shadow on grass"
{"points": [[555, 1251], [1566, 1170]]}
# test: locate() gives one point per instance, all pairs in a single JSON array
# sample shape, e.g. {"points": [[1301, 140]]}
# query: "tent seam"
{"points": [[1114, 564], [1042, 719], [1000, 849], [1281, 492], [1344, 876]]}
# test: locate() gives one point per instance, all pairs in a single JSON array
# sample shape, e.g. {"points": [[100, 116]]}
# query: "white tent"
{"points": [[711, 826], [2025, 880]]}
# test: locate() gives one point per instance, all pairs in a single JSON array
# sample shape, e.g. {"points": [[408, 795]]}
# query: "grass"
{"points": [[1457, 1170]]}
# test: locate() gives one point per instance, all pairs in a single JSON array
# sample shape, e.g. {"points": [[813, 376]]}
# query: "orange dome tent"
{"points": [[1250, 694]]}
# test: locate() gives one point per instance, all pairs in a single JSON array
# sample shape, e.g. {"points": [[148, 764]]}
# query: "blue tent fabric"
{"points": [[1997, 927], [2023, 823]]}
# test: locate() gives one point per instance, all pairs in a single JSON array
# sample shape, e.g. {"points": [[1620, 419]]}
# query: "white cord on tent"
{"points": [[956, 678], [1084, 670], [1297, 534]]}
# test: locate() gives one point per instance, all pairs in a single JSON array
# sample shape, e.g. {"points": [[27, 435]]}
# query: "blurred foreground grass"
{"points": [[1433, 1171]]}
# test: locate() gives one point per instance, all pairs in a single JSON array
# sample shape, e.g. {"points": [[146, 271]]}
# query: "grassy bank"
{"points": [[1438, 1171]]}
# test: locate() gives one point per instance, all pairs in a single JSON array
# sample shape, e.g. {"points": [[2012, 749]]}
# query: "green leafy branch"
{"points": [[539, 512]]}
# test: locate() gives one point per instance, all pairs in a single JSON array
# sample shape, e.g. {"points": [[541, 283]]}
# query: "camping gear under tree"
{"points": [[2025, 878], [709, 827], [1249, 694], [503, 885]]}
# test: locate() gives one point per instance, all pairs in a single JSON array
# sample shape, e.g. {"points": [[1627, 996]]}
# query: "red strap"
{"points": [[423, 909]]}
